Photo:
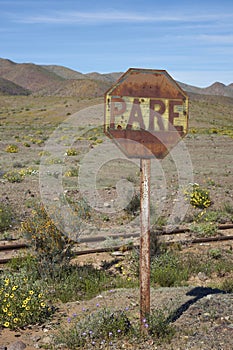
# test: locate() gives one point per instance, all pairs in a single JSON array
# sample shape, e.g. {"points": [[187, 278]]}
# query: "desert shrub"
{"points": [[26, 263], [134, 205], [73, 172], [22, 302], [215, 253], [85, 282], [52, 248], [227, 285], [167, 270], [12, 149], [82, 208], [158, 325], [98, 329], [13, 176], [204, 228], [17, 164], [44, 154], [71, 152], [28, 171], [198, 197], [5, 216], [228, 208]]}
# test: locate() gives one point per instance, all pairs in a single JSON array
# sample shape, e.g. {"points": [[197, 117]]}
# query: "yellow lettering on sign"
{"points": [[129, 113]]}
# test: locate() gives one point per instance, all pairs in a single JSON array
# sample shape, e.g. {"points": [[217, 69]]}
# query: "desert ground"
{"points": [[58, 138]]}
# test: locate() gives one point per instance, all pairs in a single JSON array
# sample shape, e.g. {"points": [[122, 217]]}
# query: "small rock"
{"points": [[202, 276], [36, 338], [99, 296], [209, 296], [107, 205], [18, 345], [46, 340], [117, 254]]}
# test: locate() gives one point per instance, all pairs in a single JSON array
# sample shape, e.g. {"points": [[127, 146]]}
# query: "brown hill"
{"points": [[77, 87], [54, 80], [107, 77], [64, 72], [59, 80], [68, 73], [7, 87], [216, 89], [28, 75]]}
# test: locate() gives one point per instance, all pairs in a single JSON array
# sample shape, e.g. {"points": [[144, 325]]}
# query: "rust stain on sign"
{"points": [[146, 113]]}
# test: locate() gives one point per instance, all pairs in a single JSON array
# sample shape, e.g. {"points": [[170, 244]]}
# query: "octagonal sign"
{"points": [[146, 113]]}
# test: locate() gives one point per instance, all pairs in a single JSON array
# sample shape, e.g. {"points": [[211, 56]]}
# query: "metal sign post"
{"points": [[145, 242]]}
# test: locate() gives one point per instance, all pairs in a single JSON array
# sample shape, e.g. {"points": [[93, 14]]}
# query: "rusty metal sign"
{"points": [[146, 113]]}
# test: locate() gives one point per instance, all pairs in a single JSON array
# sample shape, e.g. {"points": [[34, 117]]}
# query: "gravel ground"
{"points": [[203, 319]]}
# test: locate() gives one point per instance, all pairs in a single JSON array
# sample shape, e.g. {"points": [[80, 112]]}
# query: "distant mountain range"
{"points": [[54, 80]]}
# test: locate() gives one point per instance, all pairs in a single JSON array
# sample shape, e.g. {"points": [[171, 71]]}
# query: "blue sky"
{"points": [[192, 40]]}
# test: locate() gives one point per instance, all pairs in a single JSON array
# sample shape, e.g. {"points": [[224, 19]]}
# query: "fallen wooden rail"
{"points": [[90, 239], [125, 247]]}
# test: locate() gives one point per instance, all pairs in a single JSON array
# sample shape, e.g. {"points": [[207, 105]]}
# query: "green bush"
{"points": [[158, 326], [13, 176], [71, 152], [198, 197], [52, 248], [227, 285], [97, 329], [12, 149], [22, 302], [6, 216], [134, 205], [73, 172], [204, 228], [167, 270], [85, 282], [82, 208]]}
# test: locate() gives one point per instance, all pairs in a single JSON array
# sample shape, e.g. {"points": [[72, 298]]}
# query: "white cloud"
{"points": [[117, 16], [217, 39]]}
